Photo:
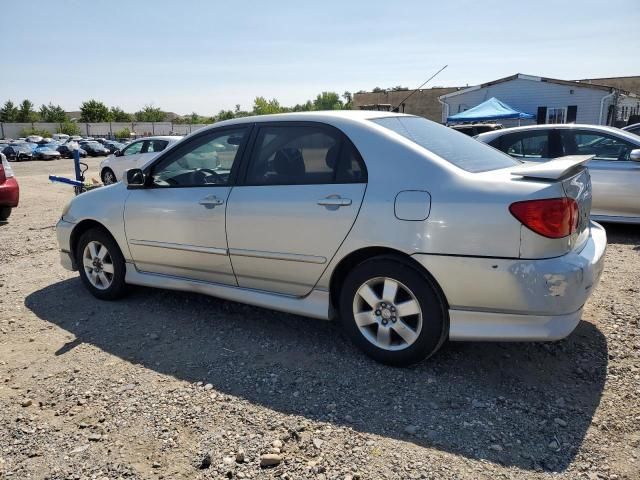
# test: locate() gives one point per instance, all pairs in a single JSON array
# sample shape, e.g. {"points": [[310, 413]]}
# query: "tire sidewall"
{"points": [[105, 172], [435, 319], [117, 287]]}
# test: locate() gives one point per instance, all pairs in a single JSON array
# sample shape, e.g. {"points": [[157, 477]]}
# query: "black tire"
{"points": [[5, 212], [106, 172], [435, 318], [117, 288]]}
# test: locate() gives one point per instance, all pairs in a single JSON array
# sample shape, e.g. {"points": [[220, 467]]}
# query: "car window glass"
{"points": [[133, 149], [603, 146], [157, 145], [454, 147], [299, 155], [526, 145], [205, 161]]}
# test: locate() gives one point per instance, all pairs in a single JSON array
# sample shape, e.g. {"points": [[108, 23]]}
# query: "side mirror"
{"points": [[635, 155], [134, 178], [118, 153]]}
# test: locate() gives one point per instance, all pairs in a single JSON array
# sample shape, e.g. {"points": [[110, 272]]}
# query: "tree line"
{"points": [[93, 111]]}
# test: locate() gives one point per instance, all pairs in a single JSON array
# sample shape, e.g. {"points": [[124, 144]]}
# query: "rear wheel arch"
{"points": [[356, 257]]}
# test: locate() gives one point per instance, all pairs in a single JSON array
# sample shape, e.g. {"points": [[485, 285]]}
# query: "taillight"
{"points": [[550, 217]]}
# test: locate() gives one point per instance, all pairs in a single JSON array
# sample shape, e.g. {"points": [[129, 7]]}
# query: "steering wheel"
{"points": [[202, 176]]}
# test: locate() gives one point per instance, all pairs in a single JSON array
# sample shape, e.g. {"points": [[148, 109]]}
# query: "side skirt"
{"points": [[315, 304]]}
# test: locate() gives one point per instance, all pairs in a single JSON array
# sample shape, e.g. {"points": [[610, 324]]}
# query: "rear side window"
{"points": [[303, 155], [458, 149], [154, 146], [534, 145]]}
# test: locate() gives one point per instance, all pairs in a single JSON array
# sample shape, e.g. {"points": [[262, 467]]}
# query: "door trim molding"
{"points": [[181, 246], [290, 257]]}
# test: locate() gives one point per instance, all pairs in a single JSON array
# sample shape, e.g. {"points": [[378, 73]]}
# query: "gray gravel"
{"points": [[172, 385]]}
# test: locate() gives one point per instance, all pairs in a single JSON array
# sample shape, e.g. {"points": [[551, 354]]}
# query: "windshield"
{"points": [[455, 147], [22, 148]]}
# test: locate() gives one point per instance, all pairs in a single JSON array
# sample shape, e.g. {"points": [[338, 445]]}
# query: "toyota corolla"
{"points": [[408, 232]]}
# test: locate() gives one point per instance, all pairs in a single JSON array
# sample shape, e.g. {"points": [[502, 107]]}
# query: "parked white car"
{"points": [[134, 155]]}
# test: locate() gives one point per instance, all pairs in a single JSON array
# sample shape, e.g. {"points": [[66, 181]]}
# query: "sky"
{"points": [[203, 56]]}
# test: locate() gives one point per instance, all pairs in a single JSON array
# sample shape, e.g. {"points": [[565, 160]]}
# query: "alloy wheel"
{"points": [[387, 313], [98, 265]]}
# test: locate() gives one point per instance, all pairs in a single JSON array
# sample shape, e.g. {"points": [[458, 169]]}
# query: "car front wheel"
{"points": [[108, 177], [101, 264], [5, 212], [393, 312]]}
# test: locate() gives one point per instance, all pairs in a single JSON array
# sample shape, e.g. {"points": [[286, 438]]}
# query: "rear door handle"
{"points": [[211, 201], [334, 201]]}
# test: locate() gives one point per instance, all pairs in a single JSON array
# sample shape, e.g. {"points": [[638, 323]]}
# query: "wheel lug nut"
{"points": [[384, 321], [394, 319], [378, 312], [393, 309]]}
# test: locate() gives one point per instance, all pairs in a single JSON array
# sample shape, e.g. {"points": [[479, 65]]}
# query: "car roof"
{"points": [[171, 138], [488, 136], [322, 115]]}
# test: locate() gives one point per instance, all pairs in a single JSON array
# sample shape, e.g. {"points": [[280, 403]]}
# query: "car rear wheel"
{"points": [[393, 312], [108, 177], [5, 212], [101, 264]]}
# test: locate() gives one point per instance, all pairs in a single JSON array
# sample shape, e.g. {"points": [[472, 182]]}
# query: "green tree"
{"points": [[26, 113], [305, 107], [149, 113], [225, 115], [348, 100], [68, 127], [116, 114], [262, 106], [378, 90], [328, 101], [25, 132], [399, 88], [94, 111], [123, 134], [9, 112], [52, 113]]}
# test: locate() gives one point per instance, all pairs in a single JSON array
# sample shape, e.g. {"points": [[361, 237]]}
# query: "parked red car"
{"points": [[9, 190]]}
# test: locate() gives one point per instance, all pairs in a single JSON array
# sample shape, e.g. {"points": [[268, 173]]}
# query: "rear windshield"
{"points": [[455, 147]]}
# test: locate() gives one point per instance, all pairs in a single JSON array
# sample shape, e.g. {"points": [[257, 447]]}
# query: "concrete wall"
{"points": [[527, 95], [12, 130], [422, 102]]}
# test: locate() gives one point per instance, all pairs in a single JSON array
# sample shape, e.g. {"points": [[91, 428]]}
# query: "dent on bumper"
{"points": [[518, 299]]}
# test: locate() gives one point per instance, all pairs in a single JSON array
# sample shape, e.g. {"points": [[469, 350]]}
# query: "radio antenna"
{"points": [[415, 90]]}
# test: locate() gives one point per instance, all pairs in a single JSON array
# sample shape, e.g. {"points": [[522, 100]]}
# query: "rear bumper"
{"points": [[9, 193], [518, 299]]}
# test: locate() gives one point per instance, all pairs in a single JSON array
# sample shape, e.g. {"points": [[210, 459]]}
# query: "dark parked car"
{"points": [[66, 152], [113, 146], [94, 149], [17, 152], [635, 128], [473, 129]]}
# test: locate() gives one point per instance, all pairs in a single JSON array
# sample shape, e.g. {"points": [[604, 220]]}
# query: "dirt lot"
{"points": [[173, 385]]}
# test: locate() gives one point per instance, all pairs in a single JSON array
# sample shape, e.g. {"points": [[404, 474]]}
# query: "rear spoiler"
{"points": [[553, 169]]}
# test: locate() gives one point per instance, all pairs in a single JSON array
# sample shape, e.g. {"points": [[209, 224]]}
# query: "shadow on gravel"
{"points": [[523, 405], [623, 234]]}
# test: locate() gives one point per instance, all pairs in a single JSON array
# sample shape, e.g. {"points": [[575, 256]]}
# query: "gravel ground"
{"points": [[172, 385]]}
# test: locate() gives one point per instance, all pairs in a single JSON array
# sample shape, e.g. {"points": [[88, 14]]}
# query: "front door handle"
{"points": [[211, 201], [334, 201]]}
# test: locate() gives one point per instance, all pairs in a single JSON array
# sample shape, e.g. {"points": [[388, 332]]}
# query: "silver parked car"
{"points": [[407, 231], [615, 168]]}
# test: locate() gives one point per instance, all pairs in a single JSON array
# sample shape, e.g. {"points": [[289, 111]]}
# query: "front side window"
{"points": [[303, 155], [204, 161], [454, 147], [603, 146], [556, 115], [133, 149]]}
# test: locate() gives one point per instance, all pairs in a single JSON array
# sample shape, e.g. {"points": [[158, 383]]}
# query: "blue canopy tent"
{"points": [[492, 109]]}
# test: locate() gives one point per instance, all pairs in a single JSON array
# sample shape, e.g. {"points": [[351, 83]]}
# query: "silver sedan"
{"points": [[406, 231], [615, 168]]}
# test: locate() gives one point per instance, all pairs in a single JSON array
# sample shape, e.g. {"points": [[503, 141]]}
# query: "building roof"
{"points": [[534, 78]]}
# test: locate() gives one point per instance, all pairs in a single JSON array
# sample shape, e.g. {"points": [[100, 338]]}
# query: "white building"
{"points": [[551, 100]]}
